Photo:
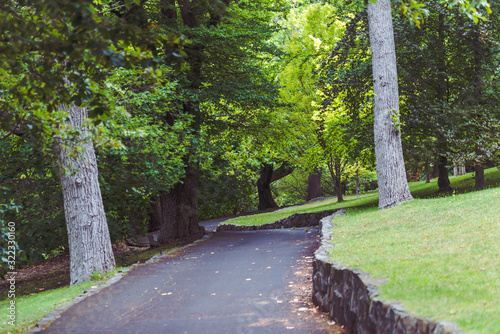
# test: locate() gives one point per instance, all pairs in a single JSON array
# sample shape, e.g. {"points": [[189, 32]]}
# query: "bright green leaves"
{"points": [[473, 9], [415, 10]]}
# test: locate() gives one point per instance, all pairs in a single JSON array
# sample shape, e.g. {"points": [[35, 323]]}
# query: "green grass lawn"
{"points": [[441, 256], [30, 309], [440, 252], [369, 199]]}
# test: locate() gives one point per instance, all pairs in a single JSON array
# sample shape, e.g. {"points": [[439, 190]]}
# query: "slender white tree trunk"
{"points": [[391, 174], [89, 241]]}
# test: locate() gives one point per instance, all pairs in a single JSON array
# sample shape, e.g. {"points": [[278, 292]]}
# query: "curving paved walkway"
{"points": [[235, 282]]}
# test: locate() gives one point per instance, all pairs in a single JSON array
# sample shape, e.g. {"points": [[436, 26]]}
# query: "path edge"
{"points": [[52, 316], [349, 296]]}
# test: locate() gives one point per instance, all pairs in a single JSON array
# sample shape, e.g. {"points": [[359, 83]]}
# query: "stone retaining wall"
{"points": [[349, 296], [295, 220]]}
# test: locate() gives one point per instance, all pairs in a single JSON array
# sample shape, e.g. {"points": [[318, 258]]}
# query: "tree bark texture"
{"points": [[88, 234], [478, 94], [335, 168], [267, 176], [427, 172], [178, 209], [479, 177], [266, 200], [443, 180], [339, 185], [314, 185], [391, 174]]}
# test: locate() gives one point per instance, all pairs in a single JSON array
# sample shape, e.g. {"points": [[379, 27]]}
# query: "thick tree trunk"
{"points": [[340, 190], [267, 176], [443, 180], [89, 241], [178, 209], [391, 174], [266, 200], [314, 185]]}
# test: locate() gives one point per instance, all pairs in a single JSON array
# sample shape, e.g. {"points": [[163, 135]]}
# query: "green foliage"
{"points": [[448, 83], [33, 184], [147, 162], [59, 53], [224, 194], [291, 190], [156, 135], [10, 252]]}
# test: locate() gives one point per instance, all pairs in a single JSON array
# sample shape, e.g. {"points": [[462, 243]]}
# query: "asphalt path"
{"points": [[235, 282]]}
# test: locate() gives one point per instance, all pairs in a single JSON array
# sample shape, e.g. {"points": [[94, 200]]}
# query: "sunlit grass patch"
{"points": [[367, 199]]}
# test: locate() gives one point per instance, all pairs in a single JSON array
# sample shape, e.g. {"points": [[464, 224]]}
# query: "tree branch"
{"points": [[284, 170]]}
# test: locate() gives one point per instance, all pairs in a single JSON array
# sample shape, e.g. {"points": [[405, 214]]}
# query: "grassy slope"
{"points": [[441, 256], [440, 252]]}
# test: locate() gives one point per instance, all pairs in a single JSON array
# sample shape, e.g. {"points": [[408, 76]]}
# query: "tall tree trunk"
{"points": [[443, 180], [88, 234], [478, 94], [427, 172], [267, 176], [391, 173], [266, 200], [479, 177], [179, 209], [335, 173], [338, 182], [357, 180], [314, 185]]}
